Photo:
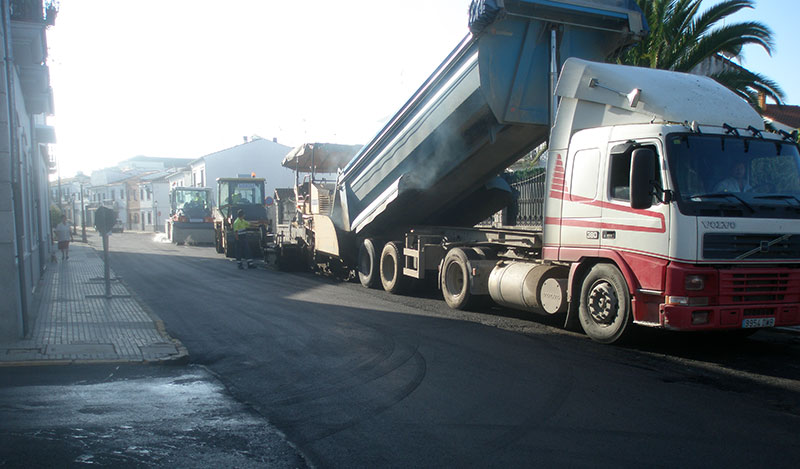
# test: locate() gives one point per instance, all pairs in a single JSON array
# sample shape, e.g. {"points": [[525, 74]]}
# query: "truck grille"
{"points": [[759, 286], [725, 246]]}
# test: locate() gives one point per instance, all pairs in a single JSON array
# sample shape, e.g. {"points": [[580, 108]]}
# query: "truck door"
{"points": [[581, 212], [640, 233]]}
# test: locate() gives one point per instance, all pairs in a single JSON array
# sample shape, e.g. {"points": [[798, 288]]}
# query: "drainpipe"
{"points": [[553, 75], [16, 200], [42, 227]]}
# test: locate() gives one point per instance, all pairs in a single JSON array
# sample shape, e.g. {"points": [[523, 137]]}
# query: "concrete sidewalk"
{"points": [[76, 323]]}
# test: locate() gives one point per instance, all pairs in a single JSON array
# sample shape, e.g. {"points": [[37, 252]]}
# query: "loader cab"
{"points": [[246, 194]]}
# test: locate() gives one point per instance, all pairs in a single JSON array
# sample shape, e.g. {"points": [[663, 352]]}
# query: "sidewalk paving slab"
{"points": [[76, 323]]}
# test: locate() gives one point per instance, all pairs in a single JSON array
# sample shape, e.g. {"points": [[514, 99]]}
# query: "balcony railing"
{"points": [[34, 11]]}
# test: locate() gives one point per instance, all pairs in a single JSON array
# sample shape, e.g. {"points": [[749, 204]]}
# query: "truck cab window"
{"points": [[585, 169], [620, 172]]}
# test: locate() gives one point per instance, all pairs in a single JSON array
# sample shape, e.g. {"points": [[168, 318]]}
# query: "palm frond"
{"points": [[749, 85], [683, 37], [726, 40]]}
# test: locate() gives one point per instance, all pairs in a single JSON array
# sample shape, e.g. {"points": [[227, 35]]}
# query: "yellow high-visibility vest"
{"points": [[240, 224]]}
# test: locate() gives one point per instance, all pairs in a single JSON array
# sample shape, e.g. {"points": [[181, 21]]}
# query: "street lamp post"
{"points": [[83, 217], [74, 222], [155, 214]]}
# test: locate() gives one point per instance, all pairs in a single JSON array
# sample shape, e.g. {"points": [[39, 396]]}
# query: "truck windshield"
{"points": [[246, 193], [734, 176]]}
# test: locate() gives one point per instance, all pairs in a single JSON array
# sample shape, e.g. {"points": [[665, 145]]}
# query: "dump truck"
{"points": [[246, 194], [642, 224], [190, 220]]}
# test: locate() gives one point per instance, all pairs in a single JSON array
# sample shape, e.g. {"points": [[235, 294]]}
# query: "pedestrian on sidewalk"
{"points": [[240, 226], [63, 236]]}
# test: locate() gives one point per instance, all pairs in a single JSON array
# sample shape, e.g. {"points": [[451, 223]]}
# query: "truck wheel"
{"points": [[455, 280], [392, 277], [605, 305], [368, 264]]}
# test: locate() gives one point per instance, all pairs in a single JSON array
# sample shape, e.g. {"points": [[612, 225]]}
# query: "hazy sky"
{"points": [[184, 78]]}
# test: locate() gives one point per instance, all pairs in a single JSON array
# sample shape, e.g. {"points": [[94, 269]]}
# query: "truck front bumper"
{"points": [[696, 318]]}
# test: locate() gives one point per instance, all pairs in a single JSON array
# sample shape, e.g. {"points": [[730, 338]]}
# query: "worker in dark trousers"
{"points": [[240, 226]]}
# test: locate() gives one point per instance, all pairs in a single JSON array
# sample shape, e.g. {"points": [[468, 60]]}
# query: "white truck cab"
{"points": [[670, 184]]}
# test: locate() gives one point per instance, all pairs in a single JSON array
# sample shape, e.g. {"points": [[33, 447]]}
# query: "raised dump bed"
{"points": [[484, 107]]}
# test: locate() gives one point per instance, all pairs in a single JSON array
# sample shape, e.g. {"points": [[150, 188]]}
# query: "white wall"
{"points": [[159, 202], [181, 178], [19, 275]]}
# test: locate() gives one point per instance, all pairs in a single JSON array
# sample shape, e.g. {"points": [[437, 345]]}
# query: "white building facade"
{"points": [[25, 163], [155, 206]]}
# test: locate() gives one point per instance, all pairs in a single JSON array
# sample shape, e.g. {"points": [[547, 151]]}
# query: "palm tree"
{"points": [[682, 38]]}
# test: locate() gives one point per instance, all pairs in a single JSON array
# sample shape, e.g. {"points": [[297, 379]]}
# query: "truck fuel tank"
{"points": [[529, 286]]}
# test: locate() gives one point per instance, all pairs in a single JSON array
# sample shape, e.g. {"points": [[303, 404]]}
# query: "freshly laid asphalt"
{"points": [[78, 323], [355, 377]]}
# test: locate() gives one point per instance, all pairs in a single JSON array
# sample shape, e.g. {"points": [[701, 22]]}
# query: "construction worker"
{"points": [[240, 226]]}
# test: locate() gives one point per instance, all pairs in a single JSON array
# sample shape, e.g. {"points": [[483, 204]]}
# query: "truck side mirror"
{"points": [[643, 167]]}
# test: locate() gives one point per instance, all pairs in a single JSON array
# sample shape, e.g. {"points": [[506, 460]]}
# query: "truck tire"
{"points": [[455, 279], [391, 270], [605, 305], [368, 263]]}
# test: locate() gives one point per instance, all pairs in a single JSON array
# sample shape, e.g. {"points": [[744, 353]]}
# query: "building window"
{"points": [[202, 178], [141, 194], [149, 218]]}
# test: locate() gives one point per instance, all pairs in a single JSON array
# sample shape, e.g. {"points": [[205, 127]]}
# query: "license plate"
{"points": [[758, 322]]}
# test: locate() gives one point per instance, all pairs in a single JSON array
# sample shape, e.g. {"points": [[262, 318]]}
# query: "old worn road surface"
{"points": [[360, 378]]}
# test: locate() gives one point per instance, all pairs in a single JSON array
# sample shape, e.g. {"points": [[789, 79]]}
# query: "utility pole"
{"points": [[83, 217], [74, 222]]}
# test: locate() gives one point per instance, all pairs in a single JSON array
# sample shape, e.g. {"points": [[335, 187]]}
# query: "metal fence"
{"points": [[528, 207]]}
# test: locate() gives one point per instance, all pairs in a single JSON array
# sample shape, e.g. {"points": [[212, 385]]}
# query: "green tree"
{"points": [[682, 37], [55, 215]]}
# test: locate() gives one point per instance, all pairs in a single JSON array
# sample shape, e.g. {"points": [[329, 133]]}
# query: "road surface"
{"points": [[357, 377]]}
